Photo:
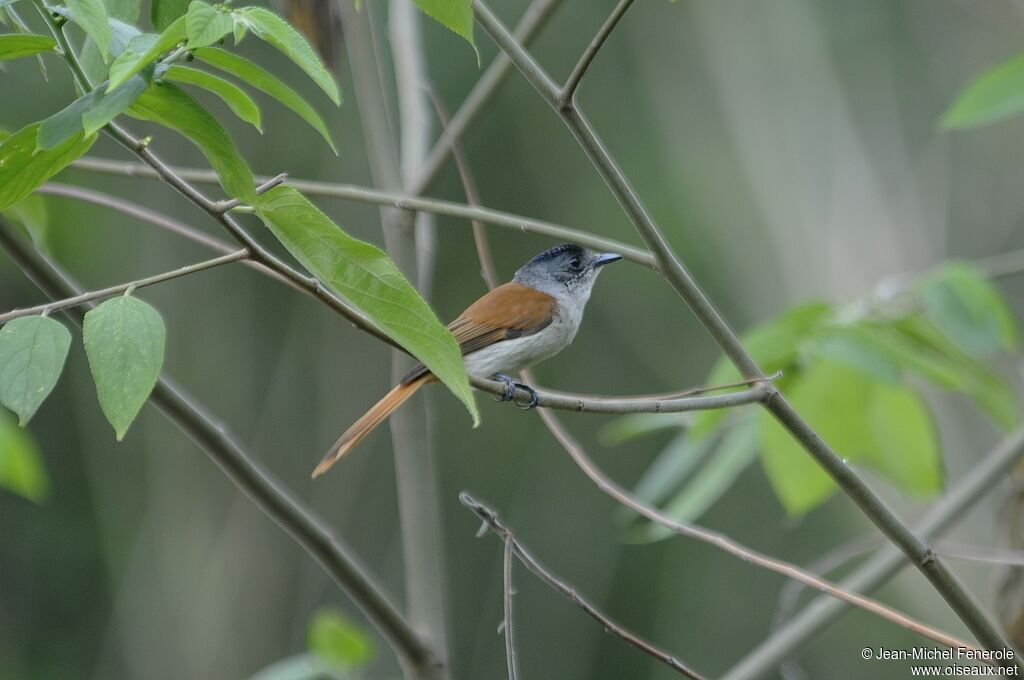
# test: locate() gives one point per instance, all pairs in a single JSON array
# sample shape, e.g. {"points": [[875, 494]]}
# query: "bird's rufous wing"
{"points": [[509, 311]]}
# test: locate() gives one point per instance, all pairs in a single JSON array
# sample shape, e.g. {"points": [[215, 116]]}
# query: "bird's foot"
{"points": [[510, 392]]}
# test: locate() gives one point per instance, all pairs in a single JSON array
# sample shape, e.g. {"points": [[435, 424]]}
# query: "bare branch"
{"points": [[262, 188], [983, 554], [394, 199], [308, 530], [116, 290], [668, 263], [491, 521], [568, 93], [508, 624]]}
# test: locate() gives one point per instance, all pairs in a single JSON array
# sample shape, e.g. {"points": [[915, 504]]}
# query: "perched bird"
{"points": [[514, 326]]}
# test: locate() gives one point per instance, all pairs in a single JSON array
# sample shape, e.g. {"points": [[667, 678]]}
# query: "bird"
{"points": [[514, 326]]}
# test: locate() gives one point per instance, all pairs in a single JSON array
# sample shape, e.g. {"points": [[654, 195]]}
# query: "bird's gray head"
{"points": [[567, 268]]}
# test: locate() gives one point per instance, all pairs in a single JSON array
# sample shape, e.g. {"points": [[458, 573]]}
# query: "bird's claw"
{"points": [[510, 392]]}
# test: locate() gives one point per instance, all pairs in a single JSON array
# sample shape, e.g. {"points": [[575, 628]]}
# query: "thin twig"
{"points": [[971, 487], [394, 199], [116, 290], [676, 274], [982, 554], [261, 188], [787, 569], [491, 521], [308, 530], [533, 20], [508, 624], [568, 93]]}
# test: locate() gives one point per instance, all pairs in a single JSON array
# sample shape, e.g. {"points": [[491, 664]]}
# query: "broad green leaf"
{"points": [[124, 341], [774, 345], [22, 169], [89, 113], [456, 15], [206, 24], [339, 641], [92, 16], [995, 95], [234, 96], [969, 310], [255, 76], [21, 468], [92, 62], [143, 50], [164, 12], [906, 447], [833, 399], [32, 354], [124, 10], [366, 277], [301, 667], [168, 105], [15, 45], [279, 33], [732, 456]]}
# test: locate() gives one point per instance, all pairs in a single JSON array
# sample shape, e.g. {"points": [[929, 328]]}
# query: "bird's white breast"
{"points": [[508, 356]]}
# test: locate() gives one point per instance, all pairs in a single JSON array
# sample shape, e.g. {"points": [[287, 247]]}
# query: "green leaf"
{"points": [[636, 425], [876, 424], [850, 349], [255, 76], [301, 667], [279, 33], [124, 10], [969, 310], [774, 345], [89, 113], [164, 12], [995, 95], [907, 444], [206, 24], [5, 3], [168, 105], [32, 354], [143, 50], [124, 341], [234, 96], [91, 15], [731, 457], [92, 62], [22, 169], [336, 639], [365, 276], [15, 45], [21, 468], [456, 15]]}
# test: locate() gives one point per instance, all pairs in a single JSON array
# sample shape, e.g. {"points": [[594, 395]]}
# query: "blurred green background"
{"points": [[789, 150]]}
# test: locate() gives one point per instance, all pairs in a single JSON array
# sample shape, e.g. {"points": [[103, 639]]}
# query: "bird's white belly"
{"points": [[508, 356]]}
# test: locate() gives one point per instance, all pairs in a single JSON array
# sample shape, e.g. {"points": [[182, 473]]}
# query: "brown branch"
{"points": [[491, 521]]}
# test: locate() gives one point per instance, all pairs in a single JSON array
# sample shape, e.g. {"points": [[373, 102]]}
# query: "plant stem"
{"points": [[116, 290], [568, 93]]}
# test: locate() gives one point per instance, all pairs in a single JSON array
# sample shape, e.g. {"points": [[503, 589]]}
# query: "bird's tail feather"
{"points": [[377, 414]]}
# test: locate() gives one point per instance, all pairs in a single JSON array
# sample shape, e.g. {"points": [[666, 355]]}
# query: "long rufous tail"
{"points": [[369, 421]]}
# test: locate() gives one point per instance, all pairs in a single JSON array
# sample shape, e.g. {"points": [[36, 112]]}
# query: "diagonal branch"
{"points": [[308, 530], [568, 93], [941, 578], [491, 522]]}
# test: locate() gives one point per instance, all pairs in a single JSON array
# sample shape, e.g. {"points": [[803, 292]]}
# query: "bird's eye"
{"points": [[574, 263]]}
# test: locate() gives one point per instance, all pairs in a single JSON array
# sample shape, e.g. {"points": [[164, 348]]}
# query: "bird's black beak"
{"points": [[606, 258]]}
